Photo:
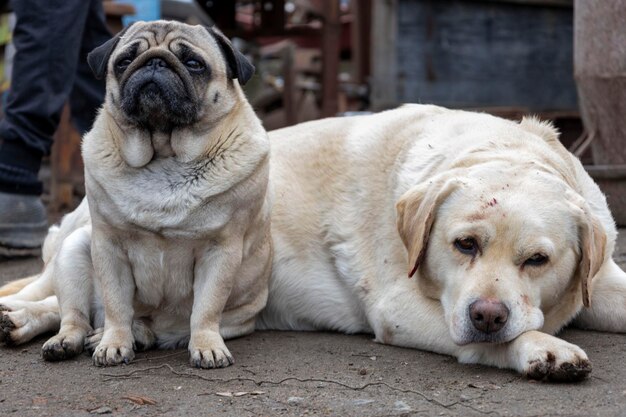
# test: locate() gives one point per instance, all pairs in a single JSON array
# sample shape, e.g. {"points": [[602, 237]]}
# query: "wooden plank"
{"points": [[65, 163], [331, 33], [361, 39]]}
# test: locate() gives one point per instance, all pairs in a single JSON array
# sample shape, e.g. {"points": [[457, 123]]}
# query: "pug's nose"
{"points": [[156, 63], [488, 315]]}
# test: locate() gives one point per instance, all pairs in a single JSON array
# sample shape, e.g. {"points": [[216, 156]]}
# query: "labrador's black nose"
{"points": [[488, 315]]}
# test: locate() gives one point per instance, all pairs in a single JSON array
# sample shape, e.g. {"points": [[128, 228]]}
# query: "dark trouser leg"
{"points": [[52, 39], [88, 93], [47, 38]]}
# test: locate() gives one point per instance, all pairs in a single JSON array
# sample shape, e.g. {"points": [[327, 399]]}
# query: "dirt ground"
{"points": [[288, 373]]}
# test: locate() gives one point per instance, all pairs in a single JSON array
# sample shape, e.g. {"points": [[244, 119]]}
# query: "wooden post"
{"points": [[384, 84], [361, 29], [289, 86], [331, 33], [66, 164]]}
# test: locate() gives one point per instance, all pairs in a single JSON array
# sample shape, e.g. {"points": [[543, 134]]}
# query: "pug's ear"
{"points": [[98, 59], [416, 211], [237, 64]]}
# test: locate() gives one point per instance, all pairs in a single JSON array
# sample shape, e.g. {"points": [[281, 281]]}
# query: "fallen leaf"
{"points": [[240, 393], [40, 401], [257, 392], [101, 410], [139, 400], [224, 394], [485, 386]]}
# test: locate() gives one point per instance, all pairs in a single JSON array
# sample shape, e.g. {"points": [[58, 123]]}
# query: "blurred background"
{"points": [[562, 60]]}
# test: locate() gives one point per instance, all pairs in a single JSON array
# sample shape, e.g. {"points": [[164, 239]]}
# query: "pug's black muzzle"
{"points": [[156, 97]]}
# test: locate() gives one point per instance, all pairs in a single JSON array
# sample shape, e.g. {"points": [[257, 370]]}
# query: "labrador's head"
{"points": [[503, 245]]}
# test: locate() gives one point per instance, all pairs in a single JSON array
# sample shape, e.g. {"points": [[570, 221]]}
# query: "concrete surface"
{"points": [[288, 373]]}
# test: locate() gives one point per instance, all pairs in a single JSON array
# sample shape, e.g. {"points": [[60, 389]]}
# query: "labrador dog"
{"points": [[171, 246], [449, 231]]}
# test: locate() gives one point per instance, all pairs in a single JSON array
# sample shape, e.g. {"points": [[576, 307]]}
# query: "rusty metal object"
{"points": [[600, 73]]}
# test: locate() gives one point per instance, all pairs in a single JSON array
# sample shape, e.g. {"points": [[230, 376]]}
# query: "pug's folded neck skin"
{"points": [[139, 146]]}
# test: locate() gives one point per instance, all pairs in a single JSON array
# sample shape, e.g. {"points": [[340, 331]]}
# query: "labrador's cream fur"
{"points": [[366, 213], [363, 204]]}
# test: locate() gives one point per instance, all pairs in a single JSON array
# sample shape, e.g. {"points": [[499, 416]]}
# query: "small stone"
{"points": [[401, 406], [294, 400], [362, 371]]}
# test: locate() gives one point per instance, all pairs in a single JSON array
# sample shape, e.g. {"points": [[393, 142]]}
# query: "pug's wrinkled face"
{"points": [[160, 80], [165, 75]]}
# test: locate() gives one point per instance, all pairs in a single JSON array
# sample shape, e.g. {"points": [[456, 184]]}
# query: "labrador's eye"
{"points": [[467, 246], [536, 260]]}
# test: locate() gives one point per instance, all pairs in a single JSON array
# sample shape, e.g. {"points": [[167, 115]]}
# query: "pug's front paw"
{"points": [[115, 348], [208, 350]]}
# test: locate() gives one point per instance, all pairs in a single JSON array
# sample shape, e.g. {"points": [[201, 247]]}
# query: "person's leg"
{"points": [[47, 39], [88, 93]]}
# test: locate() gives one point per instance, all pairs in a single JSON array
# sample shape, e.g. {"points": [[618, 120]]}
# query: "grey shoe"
{"points": [[23, 225]]}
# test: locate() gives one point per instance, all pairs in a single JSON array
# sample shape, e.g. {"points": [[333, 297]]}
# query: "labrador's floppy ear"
{"points": [[98, 59], [237, 64], [592, 246], [592, 242], [416, 212]]}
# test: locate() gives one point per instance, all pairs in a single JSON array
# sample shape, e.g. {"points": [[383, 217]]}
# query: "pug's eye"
{"points": [[537, 259], [194, 64], [123, 63], [467, 246]]}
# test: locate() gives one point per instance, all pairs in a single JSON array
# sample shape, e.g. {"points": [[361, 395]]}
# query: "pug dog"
{"points": [[171, 246]]}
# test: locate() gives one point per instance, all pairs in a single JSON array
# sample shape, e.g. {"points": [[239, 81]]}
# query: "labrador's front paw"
{"points": [[19, 324], [7, 328], [208, 350], [115, 348], [545, 357]]}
